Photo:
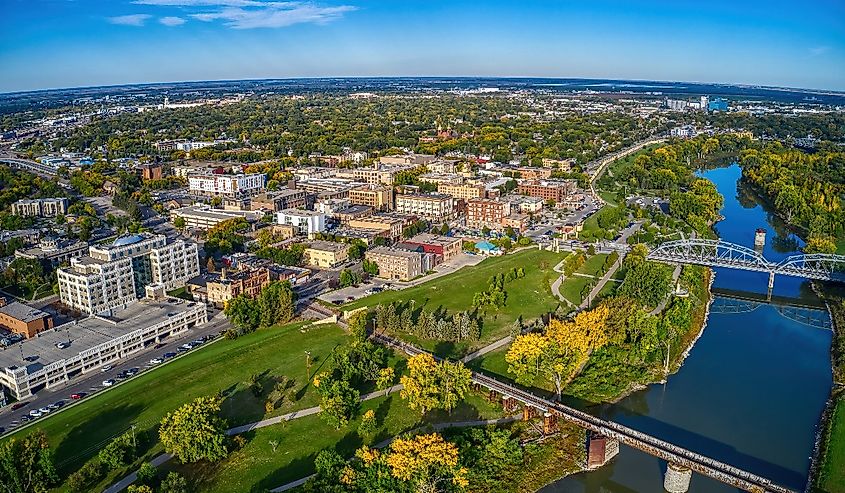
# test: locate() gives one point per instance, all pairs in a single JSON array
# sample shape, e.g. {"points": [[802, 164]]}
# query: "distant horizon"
{"points": [[427, 77], [56, 44]]}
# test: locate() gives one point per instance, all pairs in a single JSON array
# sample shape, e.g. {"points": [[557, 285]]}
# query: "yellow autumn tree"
{"points": [[427, 461], [432, 385], [584, 334], [524, 356]]}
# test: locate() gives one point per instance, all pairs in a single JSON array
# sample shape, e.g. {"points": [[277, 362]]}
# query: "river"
{"points": [[752, 390]]}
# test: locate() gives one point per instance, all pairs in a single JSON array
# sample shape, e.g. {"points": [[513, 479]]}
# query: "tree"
{"points": [[368, 422], [277, 303], [349, 278], [340, 401], [210, 266], [26, 464], [386, 377], [243, 313], [426, 461], [133, 488], [119, 452], [370, 267], [647, 282], [195, 431], [179, 222], [820, 244], [431, 385], [524, 356], [174, 483]]}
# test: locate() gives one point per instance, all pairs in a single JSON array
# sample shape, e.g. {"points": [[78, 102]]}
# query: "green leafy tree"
{"points": [[26, 464], [277, 303], [119, 452], [243, 313], [195, 431], [174, 483], [340, 401]]}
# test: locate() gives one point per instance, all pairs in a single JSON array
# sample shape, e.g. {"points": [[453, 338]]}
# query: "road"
{"points": [[92, 382]]}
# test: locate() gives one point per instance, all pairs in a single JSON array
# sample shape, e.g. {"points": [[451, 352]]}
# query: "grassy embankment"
{"points": [[77, 434], [829, 474], [529, 297]]}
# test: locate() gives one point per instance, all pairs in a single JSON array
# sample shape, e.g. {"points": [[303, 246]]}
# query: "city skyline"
{"points": [[62, 44]]}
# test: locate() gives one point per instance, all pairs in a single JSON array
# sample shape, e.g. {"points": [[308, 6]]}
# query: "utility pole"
{"points": [[134, 445], [308, 365]]}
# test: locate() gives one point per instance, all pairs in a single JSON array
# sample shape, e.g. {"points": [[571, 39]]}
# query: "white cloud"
{"points": [[251, 14], [172, 21], [819, 50], [130, 20]]}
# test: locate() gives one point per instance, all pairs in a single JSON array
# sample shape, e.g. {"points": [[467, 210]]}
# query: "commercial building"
{"points": [[344, 216], [516, 221], [391, 225], [92, 342], [215, 185], [330, 207], [556, 190], [525, 204], [434, 207], [204, 217], [378, 197], [151, 171], [486, 212], [114, 276], [464, 191], [326, 254], [394, 263], [40, 207], [408, 159], [23, 319], [531, 173], [305, 222], [222, 287], [445, 247], [288, 198], [54, 250]]}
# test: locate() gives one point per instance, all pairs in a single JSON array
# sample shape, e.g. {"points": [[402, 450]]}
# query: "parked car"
{"points": [[132, 371], [45, 410], [78, 395], [155, 361], [106, 368], [56, 405], [35, 413], [108, 383], [61, 345], [18, 405], [168, 355]]}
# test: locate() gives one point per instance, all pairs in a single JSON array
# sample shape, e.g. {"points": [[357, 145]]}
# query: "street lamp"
{"points": [[307, 365]]}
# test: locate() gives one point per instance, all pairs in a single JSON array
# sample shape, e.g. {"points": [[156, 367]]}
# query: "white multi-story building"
{"points": [[434, 207], [241, 185], [40, 207], [114, 276], [305, 222]]}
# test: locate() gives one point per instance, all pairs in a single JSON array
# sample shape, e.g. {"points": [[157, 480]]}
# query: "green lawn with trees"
{"points": [[528, 297], [227, 366]]}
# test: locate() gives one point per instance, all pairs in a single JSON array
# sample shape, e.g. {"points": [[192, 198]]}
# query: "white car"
{"points": [[61, 345], [106, 368], [155, 361], [108, 383], [35, 413]]}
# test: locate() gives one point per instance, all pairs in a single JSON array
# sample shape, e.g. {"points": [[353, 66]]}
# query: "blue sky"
{"points": [[68, 43]]}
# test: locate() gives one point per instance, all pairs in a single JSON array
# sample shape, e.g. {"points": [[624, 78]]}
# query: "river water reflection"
{"points": [[752, 390]]}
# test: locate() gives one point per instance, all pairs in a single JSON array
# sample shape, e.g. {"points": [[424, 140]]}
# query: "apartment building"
{"points": [[305, 222], [394, 263], [519, 222], [379, 198], [444, 247], [326, 254], [343, 216], [54, 250], [23, 319], [204, 217], [408, 159], [151, 171], [113, 276], [51, 207], [434, 207], [531, 173], [221, 288], [392, 226], [464, 191], [556, 190], [289, 198], [216, 185], [486, 212], [525, 204]]}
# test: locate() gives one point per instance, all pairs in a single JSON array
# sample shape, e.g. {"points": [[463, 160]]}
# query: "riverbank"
{"points": [[827, 473]]}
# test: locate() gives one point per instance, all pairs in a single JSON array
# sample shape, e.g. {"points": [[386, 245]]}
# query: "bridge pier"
{"points": [[600, 450], [771, 285], [509, 404], [528, 412], [549, 423], [677, 478]]}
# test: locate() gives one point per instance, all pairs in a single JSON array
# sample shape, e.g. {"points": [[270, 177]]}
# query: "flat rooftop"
{"points": [[88, 333], [22, 312], [327, 246]]}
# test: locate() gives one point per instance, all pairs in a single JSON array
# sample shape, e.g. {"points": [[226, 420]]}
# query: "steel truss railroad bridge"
{"points": [[679, 458], [718, 253]]}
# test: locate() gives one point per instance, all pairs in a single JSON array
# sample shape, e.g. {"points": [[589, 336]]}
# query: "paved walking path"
{"points": [[598, 287], [488, 348], [161, 459]]}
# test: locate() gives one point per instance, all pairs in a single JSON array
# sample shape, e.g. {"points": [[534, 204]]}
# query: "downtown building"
{"points": [[487, 212], [214, 185], [51, 207], [433, 207], [556, 190], [114, 276]]}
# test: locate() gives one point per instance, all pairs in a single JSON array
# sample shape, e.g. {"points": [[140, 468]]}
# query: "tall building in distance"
{"points": [[40, 207], [213, 185], [115, 275]]}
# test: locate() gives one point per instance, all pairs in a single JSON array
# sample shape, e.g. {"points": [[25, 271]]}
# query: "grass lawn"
{"points": [[77, 433], [181, 293], [529, 297], [572, 286], [593, 265], [832, 472], [256, 467]]}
